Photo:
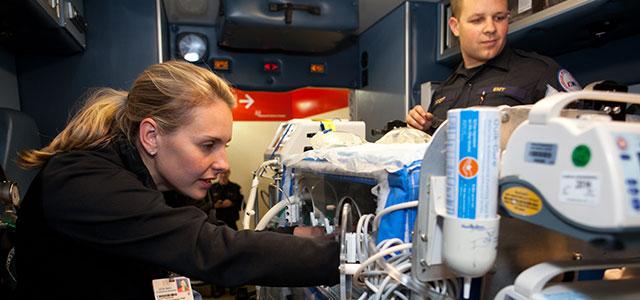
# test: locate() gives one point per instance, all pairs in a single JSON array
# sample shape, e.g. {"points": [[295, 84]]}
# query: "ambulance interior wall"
{"points": [[121, 42], [247, 66], [382, 77], [617, 60], [424, 40], [9, 96]]}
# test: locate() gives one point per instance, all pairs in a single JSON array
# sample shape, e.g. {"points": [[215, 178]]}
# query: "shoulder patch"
{"points": [[567, 82]]}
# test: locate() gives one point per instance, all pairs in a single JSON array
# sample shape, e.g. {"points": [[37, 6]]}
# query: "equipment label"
{"points": [[521, 201], [468, 165], [473, 153], [541, 153], [581, 188]]}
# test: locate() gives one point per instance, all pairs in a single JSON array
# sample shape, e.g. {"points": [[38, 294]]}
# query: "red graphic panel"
{"points": [[283, 106]]}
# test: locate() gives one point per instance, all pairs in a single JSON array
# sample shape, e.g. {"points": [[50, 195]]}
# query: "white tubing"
{"points": [[251, 201], [377, 256], [404, 205], [273, 211], [248, 210]]}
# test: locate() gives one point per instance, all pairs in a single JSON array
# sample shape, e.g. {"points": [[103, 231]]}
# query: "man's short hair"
{"points": [[456, 6]]}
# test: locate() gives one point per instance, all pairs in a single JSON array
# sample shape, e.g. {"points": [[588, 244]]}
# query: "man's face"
{"points": [[482, 28]]}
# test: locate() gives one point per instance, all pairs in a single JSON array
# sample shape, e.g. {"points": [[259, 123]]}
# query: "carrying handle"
{"points": [[534, 279], [290, 7], [550, 107]]}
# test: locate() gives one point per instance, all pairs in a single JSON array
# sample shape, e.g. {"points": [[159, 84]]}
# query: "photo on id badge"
{"points": [[183, 285]]}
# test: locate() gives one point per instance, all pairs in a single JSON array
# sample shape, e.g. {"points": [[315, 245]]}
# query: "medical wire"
{"points": [[264, 197], [383, 286], [273, 211], [280, 141], [376, 220], [250, 207], [341, 203], [363, 296], [380, 254], [10, 258]]}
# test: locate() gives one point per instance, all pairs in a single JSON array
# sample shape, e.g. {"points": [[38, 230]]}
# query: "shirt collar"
{"points": [[501, 62]]}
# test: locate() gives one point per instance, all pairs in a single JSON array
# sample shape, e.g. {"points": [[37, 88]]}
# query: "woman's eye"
{"points": [[207, 146]]}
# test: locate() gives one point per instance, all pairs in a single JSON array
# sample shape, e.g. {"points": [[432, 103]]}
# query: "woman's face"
{"points": [[189, 158]]}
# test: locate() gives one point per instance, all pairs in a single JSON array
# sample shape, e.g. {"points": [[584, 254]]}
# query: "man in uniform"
{"points": [[491, 73], [227, 200]]}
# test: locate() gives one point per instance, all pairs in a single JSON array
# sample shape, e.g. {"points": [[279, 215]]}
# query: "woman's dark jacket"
{"points": [[93, 226]]}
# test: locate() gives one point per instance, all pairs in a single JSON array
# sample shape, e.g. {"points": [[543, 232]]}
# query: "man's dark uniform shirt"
{"points": [[512, 78], [231, 191]]}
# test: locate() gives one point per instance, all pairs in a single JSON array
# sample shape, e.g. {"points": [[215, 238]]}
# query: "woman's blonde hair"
{"points": [[166, 92]]}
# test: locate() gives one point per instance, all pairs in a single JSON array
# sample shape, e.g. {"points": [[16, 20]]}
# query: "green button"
{"points": [[581, 156]]}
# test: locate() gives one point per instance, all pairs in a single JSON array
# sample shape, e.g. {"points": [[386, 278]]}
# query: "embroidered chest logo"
{"points": [[498, 89], [440, 100]]}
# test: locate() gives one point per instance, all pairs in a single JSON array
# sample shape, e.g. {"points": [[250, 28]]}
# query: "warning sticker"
{"points": [[579, 188], [521, 201]]}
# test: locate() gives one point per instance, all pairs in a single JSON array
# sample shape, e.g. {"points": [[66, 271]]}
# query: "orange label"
{"points": [[468, 167]]}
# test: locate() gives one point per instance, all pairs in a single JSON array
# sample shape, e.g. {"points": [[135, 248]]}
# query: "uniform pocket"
{"points": [[496, 96]]}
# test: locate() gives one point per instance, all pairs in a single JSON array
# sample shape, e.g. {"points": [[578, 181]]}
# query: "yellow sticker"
{"points": [[521, 201], [326, 123]]}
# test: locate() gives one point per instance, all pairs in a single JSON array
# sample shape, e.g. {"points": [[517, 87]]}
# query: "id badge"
{"points": [[174, 288]]}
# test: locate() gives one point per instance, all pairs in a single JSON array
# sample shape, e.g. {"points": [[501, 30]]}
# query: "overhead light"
{"points": [[192, 47]]}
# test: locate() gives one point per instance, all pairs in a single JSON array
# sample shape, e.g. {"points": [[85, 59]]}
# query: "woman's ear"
{"points": [[148, 135]]}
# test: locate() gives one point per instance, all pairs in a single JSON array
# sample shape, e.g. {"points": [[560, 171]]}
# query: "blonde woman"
{"points": [[96, 214]]}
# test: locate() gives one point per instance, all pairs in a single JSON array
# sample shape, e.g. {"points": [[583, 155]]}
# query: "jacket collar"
{"points": [[132, 160]]}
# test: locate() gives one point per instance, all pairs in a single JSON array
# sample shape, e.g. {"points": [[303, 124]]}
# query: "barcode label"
{"points": [[541, 153]]}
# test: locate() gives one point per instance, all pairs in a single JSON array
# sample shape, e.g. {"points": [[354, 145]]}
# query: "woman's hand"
{"points": [[309, 231]]}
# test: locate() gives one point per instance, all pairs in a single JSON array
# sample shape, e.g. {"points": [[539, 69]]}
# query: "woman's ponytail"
{"points": [[94, 125]]}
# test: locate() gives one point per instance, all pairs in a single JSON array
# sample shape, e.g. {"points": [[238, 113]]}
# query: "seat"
{"points": [[18, 132]]}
